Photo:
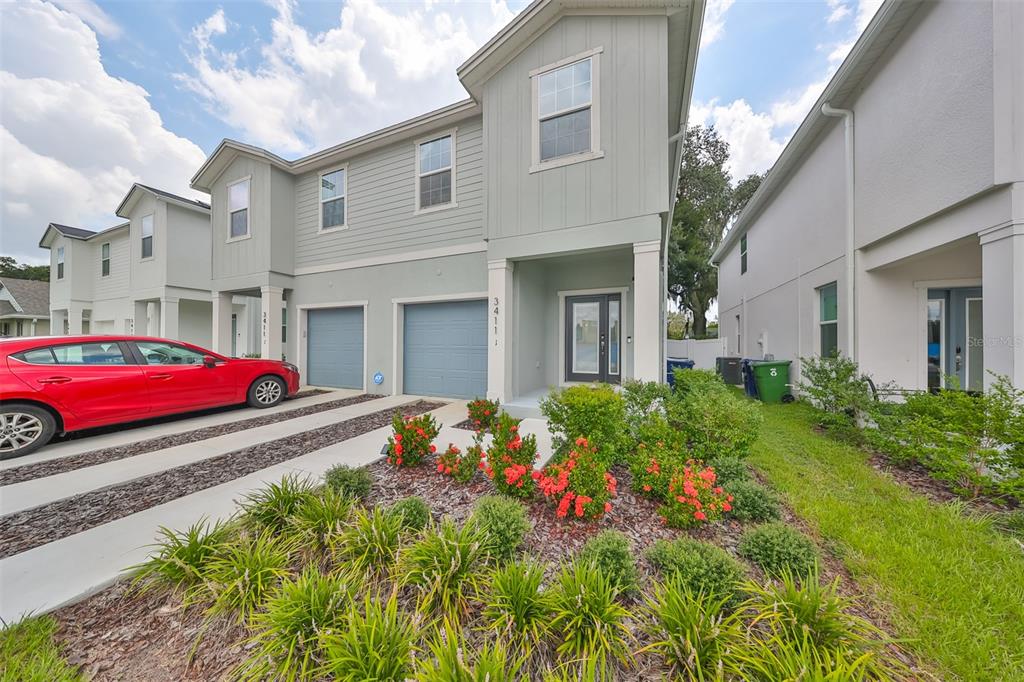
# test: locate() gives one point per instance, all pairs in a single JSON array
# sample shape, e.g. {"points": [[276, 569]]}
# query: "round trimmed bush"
{"points": [[729, 470], [504, 524], [414, 512], [610, 553], [354, 483], [700, 566], [777, 548], [753, 502]]}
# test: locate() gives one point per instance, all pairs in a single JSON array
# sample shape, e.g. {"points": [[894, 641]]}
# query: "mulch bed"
{"points": [[30, 528], [465, 425], [29, 472]]}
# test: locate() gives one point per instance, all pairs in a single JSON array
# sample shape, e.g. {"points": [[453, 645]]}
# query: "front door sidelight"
{"points": [[593, 333]]}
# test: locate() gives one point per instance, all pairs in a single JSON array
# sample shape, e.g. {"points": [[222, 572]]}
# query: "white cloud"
{"points": [[714, 21], [840, 10], [754, 143], [89, 12], [73, 137], [379, 65]]}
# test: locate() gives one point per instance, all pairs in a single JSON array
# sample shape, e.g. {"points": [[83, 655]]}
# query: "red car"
{"points": [[57, 384]]}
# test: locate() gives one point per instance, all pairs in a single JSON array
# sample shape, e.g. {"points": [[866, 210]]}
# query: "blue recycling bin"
{"points": [[747, 369], [672, 364]]}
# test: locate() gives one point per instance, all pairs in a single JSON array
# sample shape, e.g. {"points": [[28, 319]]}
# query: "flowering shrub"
{"points": [[579, 483], [460, 466], [483, 413], [652, 466], [411, 440], [510, 458], [694, 497]]}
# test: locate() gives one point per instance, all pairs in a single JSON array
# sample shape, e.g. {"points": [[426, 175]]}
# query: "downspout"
{"points": [[851, 271]]}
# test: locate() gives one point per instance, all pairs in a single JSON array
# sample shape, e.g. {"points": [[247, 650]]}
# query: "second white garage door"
{"points": [[445, 349], [334, 344]]}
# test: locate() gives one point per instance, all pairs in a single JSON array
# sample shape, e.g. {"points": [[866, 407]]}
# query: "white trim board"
{"points": [[391, 258]]}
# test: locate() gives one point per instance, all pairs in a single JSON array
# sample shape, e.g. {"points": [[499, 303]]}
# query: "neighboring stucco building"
{"points": [[148, 275], [501, 245], [921, 274], [24, 307]]}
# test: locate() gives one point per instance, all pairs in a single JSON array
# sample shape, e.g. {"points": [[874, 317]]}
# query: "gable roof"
{"points": [[138, 188], [74, 233], [31, 297], [843, 89]]}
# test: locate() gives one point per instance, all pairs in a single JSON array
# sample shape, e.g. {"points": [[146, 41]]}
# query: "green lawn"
{"points": [[953, 585], [28, 653]]}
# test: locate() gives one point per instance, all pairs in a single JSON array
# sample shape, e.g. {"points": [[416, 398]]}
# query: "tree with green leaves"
{"points": [[9, 267], [706, 202]]}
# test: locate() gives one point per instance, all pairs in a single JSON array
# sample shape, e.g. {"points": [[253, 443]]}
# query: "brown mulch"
{"points": [[29, 472], [465, 424], [921, 481], [37, 526]]}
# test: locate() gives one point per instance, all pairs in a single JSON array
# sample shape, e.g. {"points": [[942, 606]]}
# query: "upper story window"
{"points": [[332, 199], [238, 209], [105, 259], [147, 236], [60, 262], [743, 254], [828, 320], [566, 121], [435, 173]]}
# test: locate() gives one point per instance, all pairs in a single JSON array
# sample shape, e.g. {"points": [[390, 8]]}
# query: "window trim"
{"points": [[536, 165], [248, 210], [743, 254], [152, 237], [451, 132], [60, 262], [105, 260], [822, 322], [320, 201]]}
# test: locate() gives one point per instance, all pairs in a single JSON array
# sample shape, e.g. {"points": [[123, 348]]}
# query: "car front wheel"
{"points": [[24, 429], [266, 392]]}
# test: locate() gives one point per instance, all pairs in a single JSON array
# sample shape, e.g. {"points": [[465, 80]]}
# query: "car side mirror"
{"points": [[209, 361]]}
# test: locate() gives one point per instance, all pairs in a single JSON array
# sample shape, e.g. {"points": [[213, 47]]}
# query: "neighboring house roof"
{"points": [[137, 189], [6, 309], [844, 87], [74, 233], [31, 297]]}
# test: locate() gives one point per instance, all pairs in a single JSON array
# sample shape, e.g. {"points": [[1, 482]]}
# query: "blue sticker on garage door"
{"points": [[446, 349], [334, 343]]}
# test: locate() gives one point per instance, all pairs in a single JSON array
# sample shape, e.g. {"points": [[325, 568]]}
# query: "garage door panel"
{"points": [[334, 342], [445, 350]]}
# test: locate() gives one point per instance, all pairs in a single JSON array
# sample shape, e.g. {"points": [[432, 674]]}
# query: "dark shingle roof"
{"points": [[72, 231], [32, 296], [176, 197], [6, 308]]}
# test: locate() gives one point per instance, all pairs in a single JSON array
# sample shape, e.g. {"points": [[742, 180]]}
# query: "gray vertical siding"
{"points": [[246, 256]]}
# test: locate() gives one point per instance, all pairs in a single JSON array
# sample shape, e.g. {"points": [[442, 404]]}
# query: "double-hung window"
{"points": [[238, 209], [743, 254], [828, 320], [565, 96], [332, 199], [105, 259], [435, 172], [60, 262], [147, 236]]}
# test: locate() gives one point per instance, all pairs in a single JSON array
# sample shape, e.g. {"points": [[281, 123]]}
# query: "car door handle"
{"points": [[55, 380], [160, 376]]}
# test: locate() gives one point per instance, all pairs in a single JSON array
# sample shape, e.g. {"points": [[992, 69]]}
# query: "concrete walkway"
{"points": [[69, 569]]}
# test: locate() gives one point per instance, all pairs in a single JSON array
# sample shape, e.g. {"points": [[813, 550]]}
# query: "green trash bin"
{"points": [[772, 379]]}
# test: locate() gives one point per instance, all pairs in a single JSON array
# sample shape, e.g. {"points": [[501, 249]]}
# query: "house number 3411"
{"points": [[497, 307]]}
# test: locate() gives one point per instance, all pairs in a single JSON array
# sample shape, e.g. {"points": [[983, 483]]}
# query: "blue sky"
{"points": [[98, 95]]}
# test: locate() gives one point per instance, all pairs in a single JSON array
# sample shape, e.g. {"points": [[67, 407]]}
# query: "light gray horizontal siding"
{"points": [[381, 196]]}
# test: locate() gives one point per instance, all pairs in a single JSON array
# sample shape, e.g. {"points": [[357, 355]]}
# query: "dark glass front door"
{"points": [[593, 338]]}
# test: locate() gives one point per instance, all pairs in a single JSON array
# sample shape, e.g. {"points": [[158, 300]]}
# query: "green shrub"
{"points": [[643, 401], [610, 553], [29, 652], [444, 566], [412, 439], [272, 506], [482, 413], [376, 643], [835, 386], [689, 380], [286, 644], [776, 548], [700, 567], [1013, 523], [753, 502], [729, 470], [413, 511], [514, 604], [510, 458], [587, 618], [370, 540], [595, 411], [694, 632], [322, 516], [715, 422], [451, 659], [243, 572], [181, 558], [352, 482], [504, 524]]}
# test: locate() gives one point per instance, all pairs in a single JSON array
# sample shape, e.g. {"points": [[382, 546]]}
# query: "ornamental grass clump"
{"points": [[243, 572], [180, 559], [753, 502], [694, 497], [414, 512], [370, 540], [610, 553], [587, 618], [777, 548], [444, 566], [504, 523], [411, 439], [462, 466], [580, 486], [699, 566], [483, 413], [514, 604], [452, 659], [272, 506], [510, 458], [376, 643], [353, 482], [321, 516]]}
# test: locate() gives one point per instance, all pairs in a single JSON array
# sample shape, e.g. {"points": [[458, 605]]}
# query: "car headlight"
{"points": [[291, 367]]}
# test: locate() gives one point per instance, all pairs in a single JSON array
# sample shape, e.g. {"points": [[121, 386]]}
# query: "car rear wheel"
{"points": [[266, 392], [24, 429]]}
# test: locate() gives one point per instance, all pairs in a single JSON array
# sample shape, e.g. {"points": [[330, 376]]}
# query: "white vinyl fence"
{"points": [[702, 352]]}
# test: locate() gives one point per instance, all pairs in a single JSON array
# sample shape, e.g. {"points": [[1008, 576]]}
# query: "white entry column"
{"points": [[271, 299], [647, 325], [76, 315], [169, 318], [499, 327], [58, 318], [1002, 291], [221, 322], [153, 318]]}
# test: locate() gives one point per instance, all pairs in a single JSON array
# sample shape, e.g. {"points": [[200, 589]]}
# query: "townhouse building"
{"points": [[24, 307]]}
